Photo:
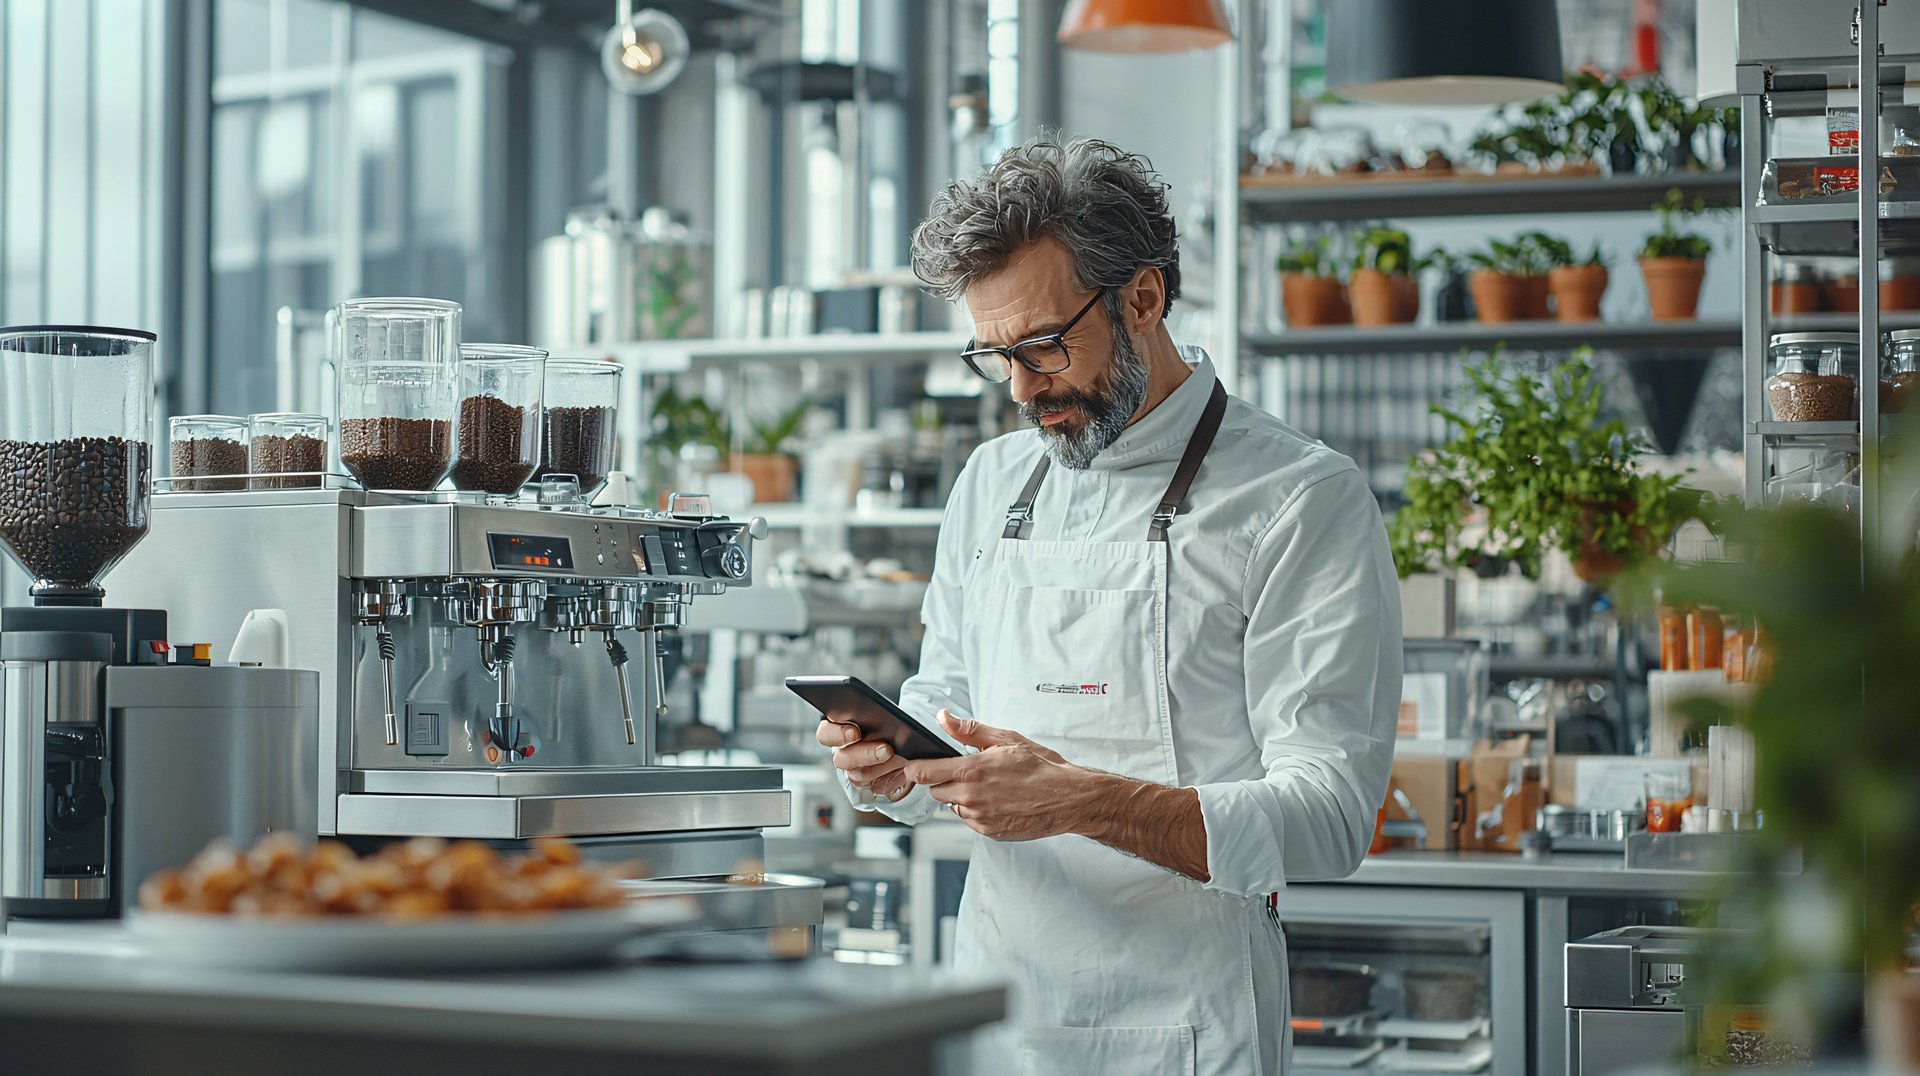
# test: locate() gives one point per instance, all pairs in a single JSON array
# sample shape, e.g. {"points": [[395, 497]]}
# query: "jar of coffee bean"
{"points": [[208, 445], [498, 435], [580, 437], [399, 369], [287, 450], [1814, 377]]}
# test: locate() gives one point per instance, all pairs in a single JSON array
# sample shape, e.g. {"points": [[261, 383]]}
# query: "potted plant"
{"points": [[1577, 283], [1383, 289], [1673, 261], [681, 423], [1310, 287], [764, 457], [1509, 281], [1529, 466], [1831, 882]]}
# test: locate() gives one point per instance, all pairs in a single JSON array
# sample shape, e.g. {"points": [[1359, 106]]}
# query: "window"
{"points": [[352, 154]]}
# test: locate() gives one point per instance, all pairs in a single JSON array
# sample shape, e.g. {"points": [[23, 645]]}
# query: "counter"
{"points": [[93, 1005], [1567, 872]]}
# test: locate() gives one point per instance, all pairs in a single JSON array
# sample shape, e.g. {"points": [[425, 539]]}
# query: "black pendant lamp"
{"points": [[1443, 52]]}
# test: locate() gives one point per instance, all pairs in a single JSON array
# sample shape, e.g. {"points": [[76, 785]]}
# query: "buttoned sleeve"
{"points": [[1323, 660], [941, 681]]}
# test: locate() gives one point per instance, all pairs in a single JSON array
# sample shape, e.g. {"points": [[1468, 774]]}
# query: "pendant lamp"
{"points": [[1443, 52], [1145, 25]]}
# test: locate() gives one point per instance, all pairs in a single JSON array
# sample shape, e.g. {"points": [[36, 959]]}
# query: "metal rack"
{"points": [[1863, 227]]}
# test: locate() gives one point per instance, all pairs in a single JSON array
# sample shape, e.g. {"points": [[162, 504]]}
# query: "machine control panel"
{"points": [[530, 552]]}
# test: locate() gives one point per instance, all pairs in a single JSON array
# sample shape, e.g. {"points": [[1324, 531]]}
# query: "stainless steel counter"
{"points": [[1561, 872], [100, 1008]]}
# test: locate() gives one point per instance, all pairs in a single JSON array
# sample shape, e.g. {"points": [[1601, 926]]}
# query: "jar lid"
{"points": [[239, 420], [1846, 339], [1901, 335], [288, 416]]}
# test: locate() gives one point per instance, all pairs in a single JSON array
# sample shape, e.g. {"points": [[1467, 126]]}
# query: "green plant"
{"points": [[681, 420], [1530, 466], [1837, 754], [1389, 251], [1527, 254], [1670, 241], [770, 438], [1312, 256]]}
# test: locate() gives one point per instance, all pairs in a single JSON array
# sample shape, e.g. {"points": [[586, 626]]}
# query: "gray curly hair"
{"points": [[1108, 207]]}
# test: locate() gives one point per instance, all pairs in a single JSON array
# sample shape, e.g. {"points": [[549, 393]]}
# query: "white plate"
{"points": [[364, 944]]}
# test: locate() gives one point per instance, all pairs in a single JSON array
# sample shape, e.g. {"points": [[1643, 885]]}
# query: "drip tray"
{"points": [[573, 781]]}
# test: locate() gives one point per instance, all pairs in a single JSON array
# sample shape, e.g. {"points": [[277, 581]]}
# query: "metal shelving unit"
{"points": [[1864, 227], [1538, 335], [679, 356], [1479, 196]]}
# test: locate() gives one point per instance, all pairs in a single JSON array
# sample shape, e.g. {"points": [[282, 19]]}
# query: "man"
{"points": [[1170, 626]]}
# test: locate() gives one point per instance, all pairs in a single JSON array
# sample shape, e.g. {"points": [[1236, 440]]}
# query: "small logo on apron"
{"points": [[1071, 689]]}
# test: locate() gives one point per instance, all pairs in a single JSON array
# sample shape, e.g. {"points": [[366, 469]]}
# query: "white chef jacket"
{"points": [[1284, 649]]}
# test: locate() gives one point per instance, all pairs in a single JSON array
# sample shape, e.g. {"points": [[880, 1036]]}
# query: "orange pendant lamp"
{"points": [[1145, 25]]}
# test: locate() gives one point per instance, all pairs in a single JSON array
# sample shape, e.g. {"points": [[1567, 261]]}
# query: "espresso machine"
{"points": [[120, 754]]}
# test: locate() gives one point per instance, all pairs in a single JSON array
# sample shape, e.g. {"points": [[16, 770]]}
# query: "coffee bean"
{"points": [[273, 454], [492, 457], [579, 442], [396, 453], [209, 455], [1803, 397], [69, 510]]}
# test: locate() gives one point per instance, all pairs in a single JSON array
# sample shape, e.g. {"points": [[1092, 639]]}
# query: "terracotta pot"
{"points": [[1314, 300], [1900, 293], [1383, 298], [1499, 297], [1893, 1022], [1577, 290], [1841, 296], [1594, 564], [1673, 287], [772, 476]]}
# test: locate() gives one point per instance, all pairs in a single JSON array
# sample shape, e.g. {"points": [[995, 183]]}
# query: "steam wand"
{"points": [[618, 655]]}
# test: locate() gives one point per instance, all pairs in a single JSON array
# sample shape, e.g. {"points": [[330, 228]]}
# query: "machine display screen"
{"points": [[530, 551]]}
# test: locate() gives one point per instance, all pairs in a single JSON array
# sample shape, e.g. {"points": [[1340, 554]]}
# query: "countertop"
{"points": [[794, 1017], [1571, 872]]}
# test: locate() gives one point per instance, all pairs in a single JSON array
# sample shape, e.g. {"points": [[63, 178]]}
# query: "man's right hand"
{"points": [[868, 762]]}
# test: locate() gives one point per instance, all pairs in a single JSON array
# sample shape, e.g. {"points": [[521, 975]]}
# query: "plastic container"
{"points": [[207, 445], [501, 389], [579, 436], [1900, 370], [287, 443], [1810, 382], [76, 453], [398, 361]]}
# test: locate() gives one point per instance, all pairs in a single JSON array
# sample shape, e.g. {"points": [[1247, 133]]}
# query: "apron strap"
{"points": [[1197, 447], [1020, 513]]}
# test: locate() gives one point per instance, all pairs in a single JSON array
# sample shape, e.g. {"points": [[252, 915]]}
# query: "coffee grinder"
{"points": [[115, 758]]}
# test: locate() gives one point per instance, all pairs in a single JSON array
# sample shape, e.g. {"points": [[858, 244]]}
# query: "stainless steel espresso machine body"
{"points": [[488, 670]]}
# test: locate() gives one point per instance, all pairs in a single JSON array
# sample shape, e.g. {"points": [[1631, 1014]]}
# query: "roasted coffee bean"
{"points": [[1801, 397], [492, 458], [397, 453], [70, 509], [209, 455], [579, 442], [273, 454]]}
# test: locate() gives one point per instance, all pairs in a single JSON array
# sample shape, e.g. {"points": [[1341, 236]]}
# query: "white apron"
{"points": [[1117, 966]]}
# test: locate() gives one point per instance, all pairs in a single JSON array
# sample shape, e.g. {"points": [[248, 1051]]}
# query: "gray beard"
{"points": [[1108, 408]]}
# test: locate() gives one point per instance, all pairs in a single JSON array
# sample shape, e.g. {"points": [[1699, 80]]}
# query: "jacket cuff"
{"points": [[1244, 842]]}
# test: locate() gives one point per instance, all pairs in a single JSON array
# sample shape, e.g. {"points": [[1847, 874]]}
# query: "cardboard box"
{"points": [[1502, 788], [1424, 791]]}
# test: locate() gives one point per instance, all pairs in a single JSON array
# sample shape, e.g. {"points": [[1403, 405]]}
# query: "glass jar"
{"points": [[398, 361], [579, 434], [1810, 382], [1900, 370], [501, 388], [76, 453], [1796, 289], [208, 445], [287, 443]]}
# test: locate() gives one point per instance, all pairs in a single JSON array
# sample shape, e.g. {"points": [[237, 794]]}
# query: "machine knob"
{"points": [[728, 561], [757, 528]]}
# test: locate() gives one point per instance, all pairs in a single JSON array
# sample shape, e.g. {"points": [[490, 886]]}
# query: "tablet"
{"points": [[856, 702]]}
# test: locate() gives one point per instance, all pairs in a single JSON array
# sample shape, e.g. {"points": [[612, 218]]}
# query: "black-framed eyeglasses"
{"points": [[1042, 354]]}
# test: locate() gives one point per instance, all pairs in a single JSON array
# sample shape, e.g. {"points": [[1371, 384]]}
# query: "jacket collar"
{"points": [[1164, 431]]}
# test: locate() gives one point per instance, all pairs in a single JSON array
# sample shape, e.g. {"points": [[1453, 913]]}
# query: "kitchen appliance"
{"points": [[1627, 994], [477, 679], [116, 757]]}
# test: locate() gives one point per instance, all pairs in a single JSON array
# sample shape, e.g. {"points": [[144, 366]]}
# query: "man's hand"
{"points": [[1013, 790], [867, 761]]}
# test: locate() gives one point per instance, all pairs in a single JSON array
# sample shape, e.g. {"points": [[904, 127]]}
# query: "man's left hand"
{"points": [[1013, 790]]}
